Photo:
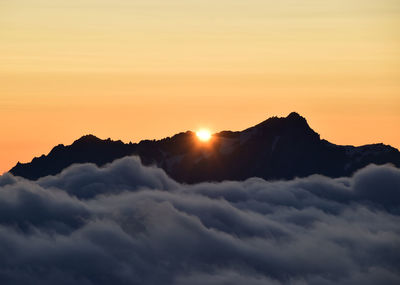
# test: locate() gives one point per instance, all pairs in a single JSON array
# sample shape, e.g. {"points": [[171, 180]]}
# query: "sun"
{"points": [[203, 135]]}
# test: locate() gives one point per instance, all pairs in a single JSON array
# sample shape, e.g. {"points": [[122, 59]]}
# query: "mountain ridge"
{"points": [[277, 148]]}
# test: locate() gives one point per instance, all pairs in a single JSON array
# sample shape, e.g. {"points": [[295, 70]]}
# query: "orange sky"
{"points": [[132, 70]]}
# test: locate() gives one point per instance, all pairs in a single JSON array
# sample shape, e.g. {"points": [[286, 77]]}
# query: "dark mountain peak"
{"points": [[294, 127], [295, 116], [183, 135], [277, 148], [88, 148], [292, 120], [57, 149], [296, 121], [91, 141], [87, 139]]}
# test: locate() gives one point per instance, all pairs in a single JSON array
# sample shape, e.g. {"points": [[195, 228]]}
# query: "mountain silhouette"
{"points": [[278, 148]]}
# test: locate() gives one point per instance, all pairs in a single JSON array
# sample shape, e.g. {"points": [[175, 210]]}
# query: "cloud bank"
{"points": [[130, 224]]}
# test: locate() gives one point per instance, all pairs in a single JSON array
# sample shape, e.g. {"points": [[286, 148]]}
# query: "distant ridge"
{"points": [[277, 148]]}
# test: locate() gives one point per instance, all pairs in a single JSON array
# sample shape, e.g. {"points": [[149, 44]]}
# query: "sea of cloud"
{"points": [[130, 224]]}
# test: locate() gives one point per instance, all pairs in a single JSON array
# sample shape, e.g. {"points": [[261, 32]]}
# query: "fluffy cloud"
{"points": [[130, 224]]}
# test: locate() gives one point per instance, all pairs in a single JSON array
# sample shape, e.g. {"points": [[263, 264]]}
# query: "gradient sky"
{"points": [[132, 70]]}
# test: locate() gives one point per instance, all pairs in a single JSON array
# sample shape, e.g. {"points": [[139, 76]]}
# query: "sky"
{"points": [[135, 70]]}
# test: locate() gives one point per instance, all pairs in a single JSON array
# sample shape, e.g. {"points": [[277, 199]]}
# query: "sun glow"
{"points": [[203, 135]]}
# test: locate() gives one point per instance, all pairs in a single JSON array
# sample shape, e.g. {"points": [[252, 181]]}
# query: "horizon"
{"points": [[147, 69], [117, 69], [212, 132]]}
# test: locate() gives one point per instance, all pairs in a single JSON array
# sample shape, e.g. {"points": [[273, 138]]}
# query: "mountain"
{"points": [[278, 148]]}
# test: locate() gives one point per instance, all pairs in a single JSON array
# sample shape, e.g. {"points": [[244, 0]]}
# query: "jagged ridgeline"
{"points": [[278, 148]]}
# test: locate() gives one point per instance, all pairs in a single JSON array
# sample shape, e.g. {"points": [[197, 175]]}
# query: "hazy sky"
{"points": [[132, 70]]}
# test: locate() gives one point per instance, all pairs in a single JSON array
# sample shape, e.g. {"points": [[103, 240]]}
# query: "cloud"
{"points": [[126, 174], [130, 224]]}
